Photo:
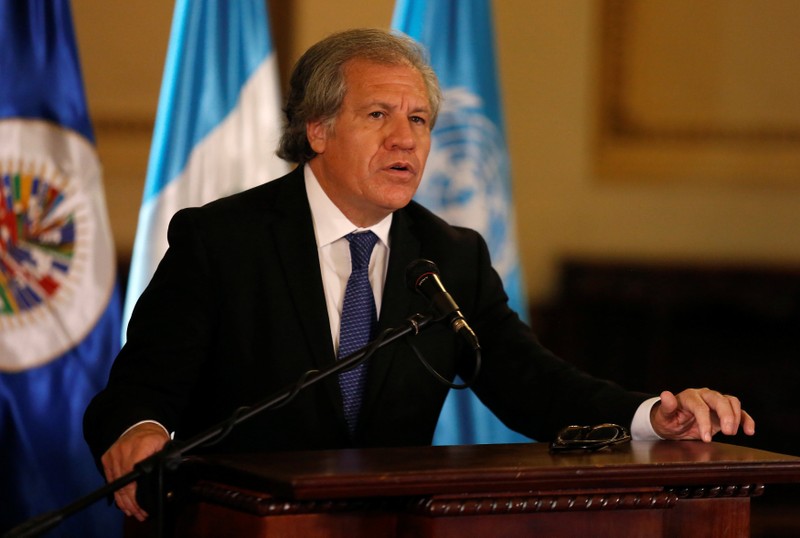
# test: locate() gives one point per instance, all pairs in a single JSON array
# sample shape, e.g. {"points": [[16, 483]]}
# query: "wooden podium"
{"points": [[642, 489]]}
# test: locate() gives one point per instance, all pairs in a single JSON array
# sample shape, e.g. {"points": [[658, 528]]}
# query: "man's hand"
{"points": [[137, 444], [699, 414]]}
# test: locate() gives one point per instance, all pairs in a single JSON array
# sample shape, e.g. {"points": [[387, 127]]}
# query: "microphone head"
{"points": [[418, 269]]}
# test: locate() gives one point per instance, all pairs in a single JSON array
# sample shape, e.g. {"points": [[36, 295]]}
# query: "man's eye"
{"points": [[377, 114], [419, 120]]}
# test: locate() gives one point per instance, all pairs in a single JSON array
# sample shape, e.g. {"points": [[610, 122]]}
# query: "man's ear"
{"points": [[317, 134]]}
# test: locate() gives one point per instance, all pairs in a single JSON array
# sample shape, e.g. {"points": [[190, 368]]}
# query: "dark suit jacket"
{"points": [[236, 311]]}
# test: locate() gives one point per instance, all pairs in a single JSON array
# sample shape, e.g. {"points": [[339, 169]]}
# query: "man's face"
{"points": [[370, 160]]}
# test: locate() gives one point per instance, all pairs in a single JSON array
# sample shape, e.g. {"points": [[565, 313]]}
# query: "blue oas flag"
{"points": [[467, 177], [59, 306], [218, 121]]}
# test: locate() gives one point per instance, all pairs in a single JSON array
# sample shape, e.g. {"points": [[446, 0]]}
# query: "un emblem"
{"points": [[466, 179]]}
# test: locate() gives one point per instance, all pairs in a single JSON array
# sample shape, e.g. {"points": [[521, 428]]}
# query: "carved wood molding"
{"points": [[523, 504], [471, 505], [265, 505], [715, 492]]}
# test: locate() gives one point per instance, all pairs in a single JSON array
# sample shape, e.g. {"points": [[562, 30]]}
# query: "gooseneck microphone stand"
{"points": [[169, 457]]}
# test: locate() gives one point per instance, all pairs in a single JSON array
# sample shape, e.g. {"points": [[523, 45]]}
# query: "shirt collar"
{"points": [[330, 224]]}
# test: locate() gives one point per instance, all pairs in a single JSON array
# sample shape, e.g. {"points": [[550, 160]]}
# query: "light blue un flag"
{"points": [[218, 121], [467, 178], [59, 302]]}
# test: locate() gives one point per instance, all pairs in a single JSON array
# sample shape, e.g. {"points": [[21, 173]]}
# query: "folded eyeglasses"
{"points": [[589, 438]]}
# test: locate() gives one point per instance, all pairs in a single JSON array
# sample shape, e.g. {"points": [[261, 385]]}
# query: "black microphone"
{"points": [[422, 276]]}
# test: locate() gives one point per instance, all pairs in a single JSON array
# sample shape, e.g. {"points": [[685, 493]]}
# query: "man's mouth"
{"points": [[401, 167]]}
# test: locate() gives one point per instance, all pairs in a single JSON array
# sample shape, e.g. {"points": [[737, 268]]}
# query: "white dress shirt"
{"points": [[330, 229]]}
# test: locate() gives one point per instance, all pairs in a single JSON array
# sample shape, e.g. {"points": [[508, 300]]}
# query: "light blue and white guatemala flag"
{"points": [[218, 121], [59, 302], [467, 178]]}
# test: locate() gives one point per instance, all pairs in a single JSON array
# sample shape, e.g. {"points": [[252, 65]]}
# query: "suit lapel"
{"points": [[297, 250], [397, 300]]}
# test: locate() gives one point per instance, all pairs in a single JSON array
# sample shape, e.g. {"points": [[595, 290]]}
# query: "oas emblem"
{"points": [[56, 255]]}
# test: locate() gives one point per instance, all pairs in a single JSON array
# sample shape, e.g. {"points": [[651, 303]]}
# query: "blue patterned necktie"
{"points": [[358, 322]]}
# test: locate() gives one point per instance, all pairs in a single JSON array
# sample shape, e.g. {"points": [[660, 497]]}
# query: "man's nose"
{"points": [[400, 135]]}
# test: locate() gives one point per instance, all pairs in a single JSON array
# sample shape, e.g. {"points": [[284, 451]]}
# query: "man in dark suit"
{"points": [[250, 296]]}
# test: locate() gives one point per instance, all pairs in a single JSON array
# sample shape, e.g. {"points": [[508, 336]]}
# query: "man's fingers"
{"points": [[729, 411], [126, 501], [119, 459], [697, 405], [124, 497], [699, 414], [669, 403], [748, 424]]}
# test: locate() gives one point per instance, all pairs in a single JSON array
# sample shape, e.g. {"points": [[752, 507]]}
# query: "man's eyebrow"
{"points": [[383, 104], [422, 110]]}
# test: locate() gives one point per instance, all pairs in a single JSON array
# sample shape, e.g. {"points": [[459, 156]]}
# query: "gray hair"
{"points": [[317, 84]]}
